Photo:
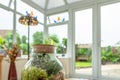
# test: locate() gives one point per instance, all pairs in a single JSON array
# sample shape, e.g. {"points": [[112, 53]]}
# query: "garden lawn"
{"points": [[82, 64]]}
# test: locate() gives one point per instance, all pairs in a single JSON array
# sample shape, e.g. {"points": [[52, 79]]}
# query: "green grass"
{"points": [[83, 64]]}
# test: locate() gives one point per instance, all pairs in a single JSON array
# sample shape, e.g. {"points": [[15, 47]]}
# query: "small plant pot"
{"points": [[43, 48]]}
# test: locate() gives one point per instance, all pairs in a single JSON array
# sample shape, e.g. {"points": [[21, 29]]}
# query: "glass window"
{"points": [[55, 3], [4, 2], [11, 4], [110, 40], [6, 21], [59, 34], [6, 27], [41, 3], [83, 42], [57, 18]]}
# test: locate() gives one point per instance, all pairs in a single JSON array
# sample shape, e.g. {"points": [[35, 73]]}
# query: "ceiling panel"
{"points": [[50, 4], [40, 3], [4, 2], [72, 1], [55, 3]]}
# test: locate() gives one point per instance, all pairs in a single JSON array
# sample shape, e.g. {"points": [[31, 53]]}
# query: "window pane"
{"points": [[83, 42], [41, 3], [6, 27], [55, 3], [4, 2], [60, 34], [110, 40], [6, 21], [57, 18]]}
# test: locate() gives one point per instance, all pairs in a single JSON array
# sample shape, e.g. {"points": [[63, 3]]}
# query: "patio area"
{"points": [[108, 70]]}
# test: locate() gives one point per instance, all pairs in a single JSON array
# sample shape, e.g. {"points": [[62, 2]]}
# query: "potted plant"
{"points": [[42, 65], [41, 45]]}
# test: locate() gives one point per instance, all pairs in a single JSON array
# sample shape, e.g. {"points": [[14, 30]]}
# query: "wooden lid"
{"points": [[43, 48]]}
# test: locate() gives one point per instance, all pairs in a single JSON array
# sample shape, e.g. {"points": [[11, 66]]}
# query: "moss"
{"points": [[34, 73]]}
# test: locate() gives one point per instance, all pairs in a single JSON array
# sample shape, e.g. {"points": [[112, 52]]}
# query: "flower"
{"points": [[12, 53]]}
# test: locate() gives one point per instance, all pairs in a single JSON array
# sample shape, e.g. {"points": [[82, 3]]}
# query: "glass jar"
{"points": [[43, 66]]}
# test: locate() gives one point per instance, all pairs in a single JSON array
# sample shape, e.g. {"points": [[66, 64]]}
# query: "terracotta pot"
{"points": [[43, 48]]}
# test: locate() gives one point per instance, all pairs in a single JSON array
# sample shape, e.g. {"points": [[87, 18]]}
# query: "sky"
{"points": [[110, 25], [83, 27]]}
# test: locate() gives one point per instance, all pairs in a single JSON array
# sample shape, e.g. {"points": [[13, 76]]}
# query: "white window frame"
{"points": [[96, 46]]}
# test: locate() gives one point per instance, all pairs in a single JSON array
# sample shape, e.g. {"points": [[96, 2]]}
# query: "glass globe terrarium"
{"points": [[43, 65]]}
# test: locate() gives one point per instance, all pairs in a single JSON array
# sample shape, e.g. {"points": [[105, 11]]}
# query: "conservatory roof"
{"points": [[48, 5]]}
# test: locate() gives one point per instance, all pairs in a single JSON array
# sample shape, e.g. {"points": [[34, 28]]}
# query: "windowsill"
{"points": [[17, 59], [25, 57], [62, 56]]}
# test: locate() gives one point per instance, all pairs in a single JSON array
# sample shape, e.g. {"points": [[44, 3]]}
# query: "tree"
{"points": [[23, 45], [24, 38], [9, 40], [55, 38], [64, 42], [2, 41], [38, 38]]}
